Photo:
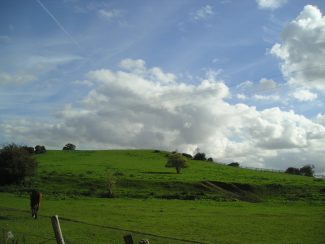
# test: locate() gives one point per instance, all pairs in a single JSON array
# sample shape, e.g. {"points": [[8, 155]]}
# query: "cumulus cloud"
{"points": [[302, 50], [320, 118], [203, 12], [136, 108], [270, 4], [303, 95]]}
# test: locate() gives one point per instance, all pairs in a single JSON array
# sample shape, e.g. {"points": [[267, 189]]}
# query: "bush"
{"points": [[39, 149], [176, 160], [210, 159], [307, 170], [29, 149], [16, 164], [293, 171], [69, 147], [234, 164], [187, 155], [199, 156]]}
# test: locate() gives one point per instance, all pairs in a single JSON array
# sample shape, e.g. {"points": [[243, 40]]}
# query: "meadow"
{"points": [[206, 203]]}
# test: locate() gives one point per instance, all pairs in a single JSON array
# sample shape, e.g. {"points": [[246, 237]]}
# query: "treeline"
{"points": [[37, 149], [307, 170]]}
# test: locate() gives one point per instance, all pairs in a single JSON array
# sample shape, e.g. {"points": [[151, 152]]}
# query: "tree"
{"points": [[176, 160], [110, 184], [293, 171], [234, 164], [307, 170], [16, 164], [187, 155], [39, 149], [199, 156], [29, 149], [69, 147]]}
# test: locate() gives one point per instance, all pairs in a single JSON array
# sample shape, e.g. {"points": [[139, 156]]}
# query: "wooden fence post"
{"points": [[57, 229]]}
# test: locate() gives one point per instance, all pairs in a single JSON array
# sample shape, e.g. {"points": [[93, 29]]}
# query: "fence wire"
{"points": [[72, 236]]}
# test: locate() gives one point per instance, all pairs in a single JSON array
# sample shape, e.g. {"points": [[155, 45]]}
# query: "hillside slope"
{"points": [[142, 174]]}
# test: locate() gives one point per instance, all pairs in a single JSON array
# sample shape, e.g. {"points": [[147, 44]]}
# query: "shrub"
{"points": [[307, 170], [29, 149], [293, 171], [69, 147], [210, 159], [199, 156], [39, 149], [234, 164], [16, 164], [187, 155], [176, 160]]}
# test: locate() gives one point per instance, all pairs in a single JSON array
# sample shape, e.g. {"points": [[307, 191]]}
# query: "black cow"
{"points": [[35, 202]]}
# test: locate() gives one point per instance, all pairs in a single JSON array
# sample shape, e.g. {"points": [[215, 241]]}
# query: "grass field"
{"points": [[224, 204]]}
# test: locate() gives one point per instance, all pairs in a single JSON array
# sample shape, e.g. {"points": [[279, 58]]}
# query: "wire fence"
{"points": [[78, 231]]}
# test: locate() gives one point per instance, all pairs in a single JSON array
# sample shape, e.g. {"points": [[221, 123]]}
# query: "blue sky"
{"points": [[241, 80]]}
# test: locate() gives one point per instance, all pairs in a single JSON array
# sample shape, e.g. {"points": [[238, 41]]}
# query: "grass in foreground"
{"points": [[91, 220], [219, 206]]}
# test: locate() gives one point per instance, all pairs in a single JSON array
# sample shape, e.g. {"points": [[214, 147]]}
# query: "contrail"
{"points": [[58, 23]]}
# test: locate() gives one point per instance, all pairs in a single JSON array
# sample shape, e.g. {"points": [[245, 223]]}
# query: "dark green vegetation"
{"points": [[207, 202], [16, 164], [177, 161], [307, 170]]}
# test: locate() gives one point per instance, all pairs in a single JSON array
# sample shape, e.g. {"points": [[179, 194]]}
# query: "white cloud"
{"points": [[203, 13], [241, 96], [32, 67], [109, 14], [267, 84], [245, 84], [302, 50], [132, 109], [267, 97], [320, 118], [15, 79], [270, 4], [304, 95], [139, 67], [263, 90]]}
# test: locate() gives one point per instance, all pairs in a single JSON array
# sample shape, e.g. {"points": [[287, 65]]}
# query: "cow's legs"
{"points": [[34, 211]]}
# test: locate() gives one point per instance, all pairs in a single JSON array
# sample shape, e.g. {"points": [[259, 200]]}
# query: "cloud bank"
{"points": [[141, 107], [137, 106]]}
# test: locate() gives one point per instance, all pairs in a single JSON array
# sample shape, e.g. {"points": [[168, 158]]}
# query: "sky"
{"points": [[241, 81]]}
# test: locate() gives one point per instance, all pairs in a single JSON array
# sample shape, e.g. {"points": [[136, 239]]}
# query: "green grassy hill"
{"points": [[206, 203], [142, 174]]}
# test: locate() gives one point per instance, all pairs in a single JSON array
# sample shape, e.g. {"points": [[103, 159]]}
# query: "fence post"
{"points": [[57, 229]]}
